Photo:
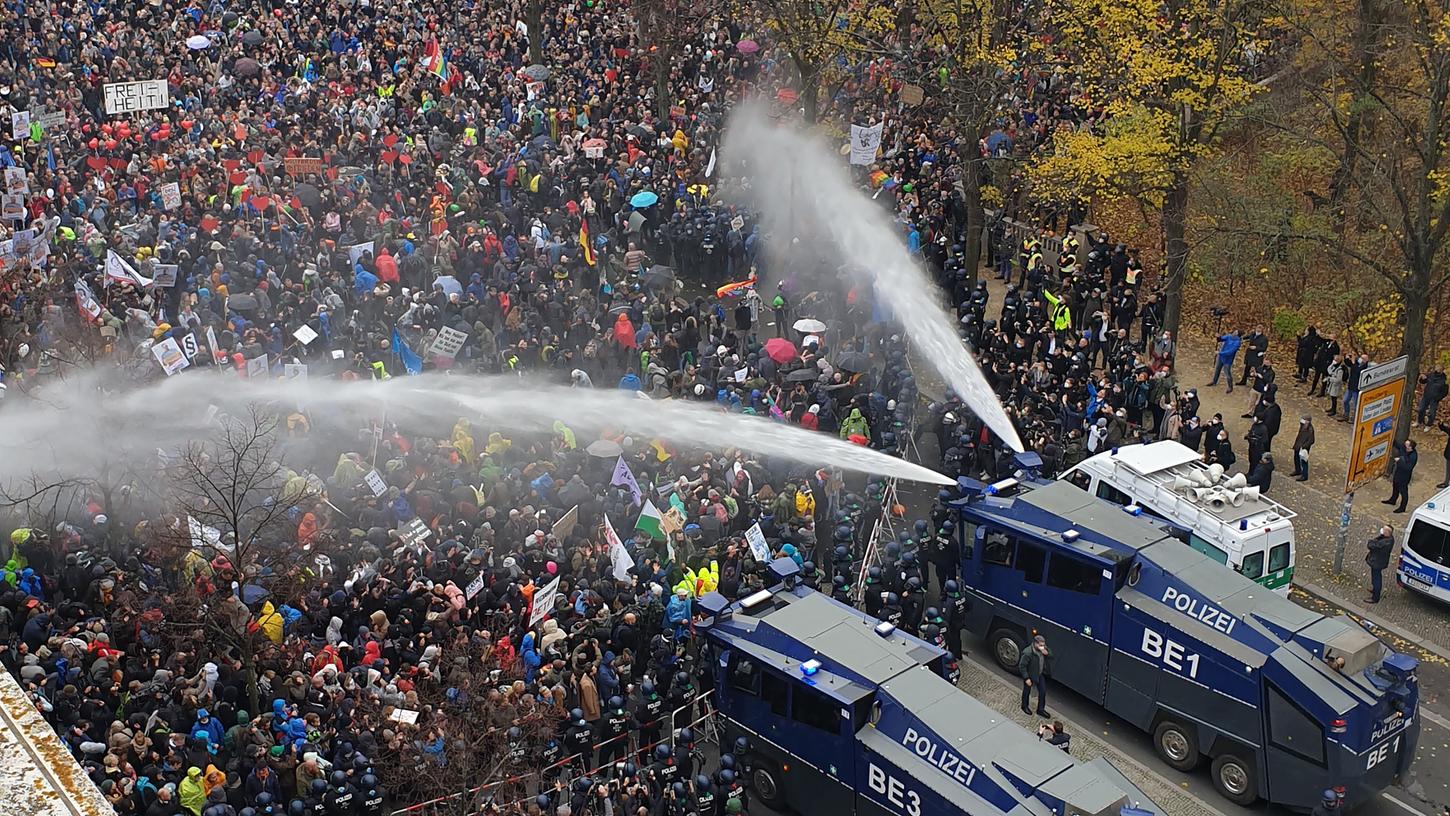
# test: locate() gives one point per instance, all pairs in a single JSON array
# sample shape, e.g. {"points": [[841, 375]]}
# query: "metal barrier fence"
{"points": [[449, 803], [1017, 231]]}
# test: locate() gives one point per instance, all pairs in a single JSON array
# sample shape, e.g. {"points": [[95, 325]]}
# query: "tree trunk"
{"points": [[535, 20], [976, 218], [1175, 216], [661, 65], [810, 90], [1366, 41], [249, 670], [1412, 345]]}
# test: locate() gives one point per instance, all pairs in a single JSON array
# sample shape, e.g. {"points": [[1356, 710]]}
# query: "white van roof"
{"points": [[1435, 509], [1156, 464]]}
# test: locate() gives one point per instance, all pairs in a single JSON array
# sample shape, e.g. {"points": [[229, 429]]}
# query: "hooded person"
{"points": [[208, 725], [530, 657], [855, 425], [551, 635], [192, 791]]}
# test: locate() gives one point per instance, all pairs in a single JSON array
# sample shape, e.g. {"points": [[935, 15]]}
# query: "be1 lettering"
{"points": [[1383, 753], [895, 792], [1170, 653]]}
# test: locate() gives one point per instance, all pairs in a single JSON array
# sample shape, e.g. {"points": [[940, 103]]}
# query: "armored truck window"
{"points": [[816, 710], [1030, 561], [745, 675], [998, 549], [1293, 730], [1112, 494], [776, 689], [1279, 557], [1066, 572], [1253, 566], [968, 539], [1208, 549]]}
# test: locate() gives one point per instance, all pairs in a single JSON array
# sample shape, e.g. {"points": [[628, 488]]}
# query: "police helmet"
{"points": [[742, 745], [920, 527], [682, 679], [932, 613], [678, 788], [727, 777], [577, 715], [264, 799], [951, 586], [687, 736], [516, 733], [913, 584], [727, 761], [616, 702], [662, 752], [892, 599], [319, 787], [702, 782], [296, 808], [339, 778], [369, 781], [873, 574]]}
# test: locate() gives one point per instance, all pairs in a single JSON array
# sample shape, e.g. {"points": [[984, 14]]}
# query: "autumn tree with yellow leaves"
{"points": [[1368, 93], [821, 35], [1168, 78]]}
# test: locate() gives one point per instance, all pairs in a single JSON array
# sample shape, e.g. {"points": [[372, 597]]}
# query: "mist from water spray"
{"points": [[793, 176], [70, 429]]}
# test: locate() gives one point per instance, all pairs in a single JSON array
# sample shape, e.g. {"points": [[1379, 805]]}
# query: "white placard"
{"points": [[216, 353], [12, 208], [305, 334], [257, 366], [294, 371], [164, 275], [865, 141], [189, 346], [15, 180], [20, 125], [594, 152], [738, 223], [356, 251], [414, 532], [755, 537], [375, 482], [47, 119], [171, 195], [168, 353], [564, 526], [448, 342], [474, 587], [544, 601], [129, 97], [407, 716]]}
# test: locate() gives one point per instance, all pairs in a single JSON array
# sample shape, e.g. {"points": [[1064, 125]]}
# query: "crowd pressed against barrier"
{"points": [[343, 172]]}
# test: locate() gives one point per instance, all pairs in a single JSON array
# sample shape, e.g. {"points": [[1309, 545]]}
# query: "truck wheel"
{"points": [[1007, 647], [1175, 745], [1234, 779], [766, 785]]}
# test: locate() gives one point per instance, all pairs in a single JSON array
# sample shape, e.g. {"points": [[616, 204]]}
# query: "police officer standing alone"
{"points": [[1032, 665]]}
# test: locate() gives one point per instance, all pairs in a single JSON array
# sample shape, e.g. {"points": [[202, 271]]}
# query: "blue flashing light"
{"points": [[810, 667]]}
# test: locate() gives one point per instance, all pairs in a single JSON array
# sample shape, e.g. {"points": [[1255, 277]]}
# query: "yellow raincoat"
{"points": [[463, 440], [563, 430], [699, 583], [270, 622], [497, 444], [193, 794]]}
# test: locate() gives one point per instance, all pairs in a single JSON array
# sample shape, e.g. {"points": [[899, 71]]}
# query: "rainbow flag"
{"points": [[734, 287]]}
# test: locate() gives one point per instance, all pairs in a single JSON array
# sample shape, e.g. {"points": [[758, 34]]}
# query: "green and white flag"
{"points": [[651, 522]]}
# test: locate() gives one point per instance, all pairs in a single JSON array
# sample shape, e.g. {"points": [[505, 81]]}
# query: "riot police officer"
{"points": [[579, 740], [370, 803], [841, 589], [809, 576], [614, 728], [649, 712], [874, 592], [340, 796], [665, 770], [957, 605], [891, 608], [913, 600], [705, 804], [315, 801]]}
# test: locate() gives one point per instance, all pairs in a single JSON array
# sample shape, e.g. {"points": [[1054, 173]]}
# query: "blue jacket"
{"points": [[677, 611], [1228, 347], [531, 658]]}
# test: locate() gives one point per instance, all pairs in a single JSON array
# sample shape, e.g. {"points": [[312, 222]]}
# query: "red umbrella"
{"points": [[780, 349], [747, 46]]}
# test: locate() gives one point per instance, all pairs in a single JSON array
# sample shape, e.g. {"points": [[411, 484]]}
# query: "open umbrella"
{"points": [[252, 593], [747, 46], [643, 199], [638, 131], [658, 276], [589, 143], [246, 66], [780, 349], [197, 42], [636, 222], [253, 37], [808, 325], [537, 73], [604, 448], [244, 302], [450, 285], [308, 194], [802, 375], [854, 362]]}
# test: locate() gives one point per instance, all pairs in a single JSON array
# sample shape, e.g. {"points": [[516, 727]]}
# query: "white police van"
{"points": [[1425, 554]]}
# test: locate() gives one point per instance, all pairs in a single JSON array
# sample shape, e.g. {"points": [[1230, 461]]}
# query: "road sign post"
{"points": [[1381, 391]]}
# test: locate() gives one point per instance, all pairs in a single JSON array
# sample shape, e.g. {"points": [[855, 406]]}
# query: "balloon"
{"points": [[93, 143], [110, 144], [106, 129]]}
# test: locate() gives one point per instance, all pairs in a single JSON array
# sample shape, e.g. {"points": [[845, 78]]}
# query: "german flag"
{"points": [[584, 243]]}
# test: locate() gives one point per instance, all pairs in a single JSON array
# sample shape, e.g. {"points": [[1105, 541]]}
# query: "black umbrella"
{"points": [[245, 302], [658, 276], [538, 73], [309, 195], [639, 131], [801, 375], [246, 66], [253, 37], [854, 362]]}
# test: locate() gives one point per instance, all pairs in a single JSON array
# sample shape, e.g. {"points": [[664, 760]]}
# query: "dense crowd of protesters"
{"points": [[355, 184]]}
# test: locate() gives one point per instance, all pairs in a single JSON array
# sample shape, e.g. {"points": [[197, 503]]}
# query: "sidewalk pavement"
{"points": [[1003, 697]]}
